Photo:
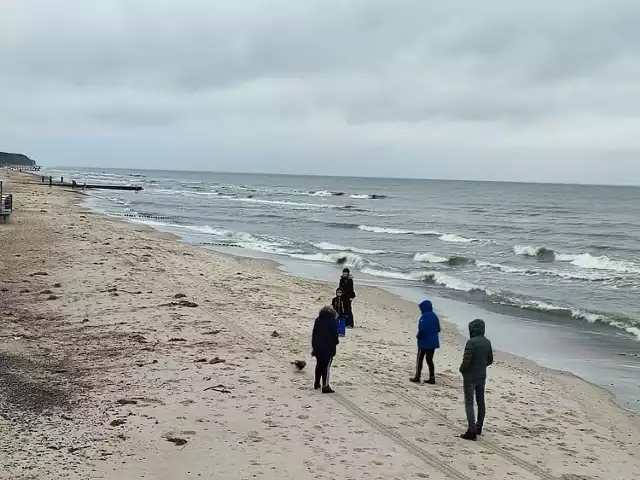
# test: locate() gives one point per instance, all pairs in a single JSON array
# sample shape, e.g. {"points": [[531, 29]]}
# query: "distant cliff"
{"points": [[16, 159]]}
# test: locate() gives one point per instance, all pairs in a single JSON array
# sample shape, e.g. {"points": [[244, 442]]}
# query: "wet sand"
{"points": [[126, 354]]}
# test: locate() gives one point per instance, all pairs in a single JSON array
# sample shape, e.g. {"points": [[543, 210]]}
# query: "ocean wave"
{"points": [[397, 231], [339, 258], [367, 196], [452, 238], [581, 260], [362, 251], [622, 323], [567, 275], [284, 203], [451, 261], [429, 277], [321, 193]]}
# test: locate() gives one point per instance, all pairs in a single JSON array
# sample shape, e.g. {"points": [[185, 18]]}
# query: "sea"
{"points": [[554, 269]]}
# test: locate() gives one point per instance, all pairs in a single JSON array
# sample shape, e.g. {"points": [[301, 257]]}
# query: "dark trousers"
{"points": [[474, 387], [348, 312], [323, 371], [422, 355]]}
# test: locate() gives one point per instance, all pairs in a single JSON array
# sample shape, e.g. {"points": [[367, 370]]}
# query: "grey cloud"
{"points": [[286, 85]]}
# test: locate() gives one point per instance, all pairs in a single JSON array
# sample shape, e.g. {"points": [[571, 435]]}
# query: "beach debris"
{"points": [[112, 289], [39, 274], [275, 334], [52, 297], [85, 320], [75, 449], [57, 285], [299, 364], [127, 401], [211, 332], [4, 289], [46, 292], [138, 338], [218, 388], [118, 422], [178, 441], [181, 303], [179, 295], [216, 360], [200, 360], [177, 339], [66, 417]]}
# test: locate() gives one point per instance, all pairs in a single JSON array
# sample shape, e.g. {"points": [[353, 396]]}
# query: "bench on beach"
{"points": [[6, 205]]}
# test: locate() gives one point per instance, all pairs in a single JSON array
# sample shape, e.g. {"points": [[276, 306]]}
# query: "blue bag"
{"points": [[342, 326]]}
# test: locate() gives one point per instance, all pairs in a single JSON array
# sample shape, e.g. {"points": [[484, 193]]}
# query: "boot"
{"points": [[327, 389], [431, 381], [415, 379], [469, 435]]}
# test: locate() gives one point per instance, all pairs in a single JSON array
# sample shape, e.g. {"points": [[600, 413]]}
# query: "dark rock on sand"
{"points": [[275, 334], [118, 422], [127, 401], [179, 295], [178, 441]]}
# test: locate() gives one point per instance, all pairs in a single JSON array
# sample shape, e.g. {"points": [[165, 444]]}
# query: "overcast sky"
{"points": [[477, 89]]}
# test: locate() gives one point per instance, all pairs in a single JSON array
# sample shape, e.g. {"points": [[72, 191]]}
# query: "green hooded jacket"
{"points": [[478, 353]]}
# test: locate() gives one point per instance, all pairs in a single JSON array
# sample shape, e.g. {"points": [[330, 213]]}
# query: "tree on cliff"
{"points": [[16, 160]]}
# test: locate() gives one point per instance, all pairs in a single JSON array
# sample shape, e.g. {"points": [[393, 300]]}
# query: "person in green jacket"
{"points": [[478, 355]]}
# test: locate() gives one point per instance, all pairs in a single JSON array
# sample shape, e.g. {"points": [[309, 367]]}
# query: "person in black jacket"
{"points": [[338, 303], [323, 341], [348, 294]]}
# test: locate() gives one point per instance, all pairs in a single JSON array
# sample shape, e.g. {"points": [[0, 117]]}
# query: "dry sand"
{"points": [[101, 363]]}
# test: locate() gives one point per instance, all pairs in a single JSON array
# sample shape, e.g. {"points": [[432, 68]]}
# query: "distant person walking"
{"points": [[478, 355], [428, 341], [324, 341], [50, 180], [348, 294]]}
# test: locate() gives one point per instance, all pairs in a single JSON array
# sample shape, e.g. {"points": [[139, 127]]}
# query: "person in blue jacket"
{"points": [[428, 340]]}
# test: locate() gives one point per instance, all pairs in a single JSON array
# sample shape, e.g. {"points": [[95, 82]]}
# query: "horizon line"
{"points": [[318, 175]]}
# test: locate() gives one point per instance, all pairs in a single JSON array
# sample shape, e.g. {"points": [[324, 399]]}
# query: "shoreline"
{"points": [[244, 298]]}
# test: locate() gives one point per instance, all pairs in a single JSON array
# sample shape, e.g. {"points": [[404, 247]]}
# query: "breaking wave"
{"points": [[451, 261], [365, 196], [397, 231], [331, 246], [582, 260], [339, 258], [432, 278]]}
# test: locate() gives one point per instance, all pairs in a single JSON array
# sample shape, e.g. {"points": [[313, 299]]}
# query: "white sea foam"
{"points": [[340, 258], [452, 238], [331, 246], [435, 278], [429, 258]]}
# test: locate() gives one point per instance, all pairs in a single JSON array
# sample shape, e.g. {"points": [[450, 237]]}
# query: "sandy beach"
{"points": [[127, 354]]}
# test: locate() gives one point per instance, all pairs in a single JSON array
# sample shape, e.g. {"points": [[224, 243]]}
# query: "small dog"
{"points": [[299, 364]]}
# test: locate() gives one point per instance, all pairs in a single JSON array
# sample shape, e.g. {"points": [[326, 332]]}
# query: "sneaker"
{"points": [[316, 386], [327, 390], [415, 379], [431, 381], [469, 435]]}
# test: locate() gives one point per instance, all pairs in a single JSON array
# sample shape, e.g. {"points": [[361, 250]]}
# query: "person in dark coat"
{"points": [[323, 342], [428, 341], [478, 355], [348, 294], [338, 303]]}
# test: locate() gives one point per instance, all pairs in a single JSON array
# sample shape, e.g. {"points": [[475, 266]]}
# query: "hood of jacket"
{"points": [[327, 313], [426, 306], [476, 328]]}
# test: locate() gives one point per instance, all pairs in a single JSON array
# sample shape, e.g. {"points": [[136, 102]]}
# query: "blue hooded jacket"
{"points": [[428, 327]]}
